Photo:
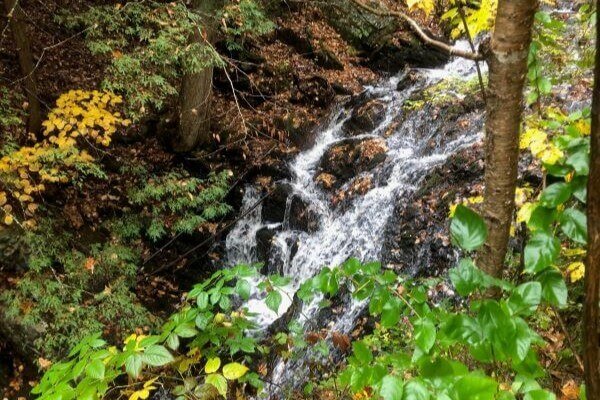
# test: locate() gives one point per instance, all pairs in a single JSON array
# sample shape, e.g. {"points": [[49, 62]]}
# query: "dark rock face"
{"points": [[365, 118], [299, 212], [350, 157], [417, 234]]}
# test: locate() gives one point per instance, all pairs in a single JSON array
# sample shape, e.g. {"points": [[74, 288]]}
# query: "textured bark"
{"points": [[196, 89], [591, 313], [507, 59], [17, 26]]}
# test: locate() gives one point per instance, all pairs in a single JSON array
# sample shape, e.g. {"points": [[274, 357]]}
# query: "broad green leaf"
{"points": [[539, 394], [579, 186], [475, 387], [555, 194], [415, 390], [212, 365], [362, 352], [425, 334], [541, 250], [580, 160], [391, 388], [234, 370], [573, 223], [525, 298], [95, 369], [390, 315], [554, 288], [466, 277], [467, 228], [243, 289], [156, 355], [541, 218], [202, 301], [219, 382], [133, 365], [273, 300]]}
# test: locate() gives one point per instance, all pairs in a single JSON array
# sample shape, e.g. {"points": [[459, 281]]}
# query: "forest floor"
{"points": [[263, 109]]}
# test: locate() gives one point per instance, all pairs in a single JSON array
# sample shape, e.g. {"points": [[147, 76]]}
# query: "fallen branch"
{"points": [[451, 50]]}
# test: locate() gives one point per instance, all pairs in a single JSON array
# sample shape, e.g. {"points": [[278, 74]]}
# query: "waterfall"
{"points": [[356, 230]]}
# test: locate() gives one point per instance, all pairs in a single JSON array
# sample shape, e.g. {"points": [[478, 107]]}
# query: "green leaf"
{"points": [[573, 223], [475, 387], [157, 356], [391, 388], [580, 160], [425, 334], [243, 289], [390, 315], [273, 300], [539, 394], [554, 288], [219, 382], [544, 85], [362, 352], [212, 365], [467, 229], [415, 390], [466, 277], [525, 298], [555, 194], [202, 301], [95, 369], [579, 186], [541, 218], [541, 250], [133, 365], [234, 371]]}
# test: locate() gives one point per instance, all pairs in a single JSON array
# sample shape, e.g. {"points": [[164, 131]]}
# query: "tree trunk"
{"points": [[16, 20], [507, 61], [196, 89], [591, 313]]}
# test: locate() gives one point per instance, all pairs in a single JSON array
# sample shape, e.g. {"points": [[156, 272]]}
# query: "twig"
{"points": [[569, 339], [461, 12]]}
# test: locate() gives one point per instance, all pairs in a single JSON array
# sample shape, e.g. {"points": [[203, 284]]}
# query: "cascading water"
{"points": [[357, 229]]}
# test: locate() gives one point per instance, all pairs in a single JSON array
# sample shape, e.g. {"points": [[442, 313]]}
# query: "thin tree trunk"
{"points": [[591, 313], [507, 61], [196, 90], [16, 20]]}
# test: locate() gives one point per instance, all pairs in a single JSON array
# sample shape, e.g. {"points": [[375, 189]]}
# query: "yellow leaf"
{"points": [[212, 365], [234, 370], [576, 271], [427, 6]]}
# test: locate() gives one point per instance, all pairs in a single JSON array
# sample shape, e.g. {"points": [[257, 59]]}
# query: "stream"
{"points": [[356, 228]]}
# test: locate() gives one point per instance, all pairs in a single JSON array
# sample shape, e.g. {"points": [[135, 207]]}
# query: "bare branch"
{"points": [[451, 50]]}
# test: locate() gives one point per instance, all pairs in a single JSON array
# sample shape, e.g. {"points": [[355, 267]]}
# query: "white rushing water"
{"points": [[358, 229]]}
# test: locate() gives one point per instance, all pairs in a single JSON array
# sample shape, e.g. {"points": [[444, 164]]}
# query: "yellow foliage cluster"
{"points": [[427, 6], [80, 113], [478, 20], [541, 147], [89, 115]]}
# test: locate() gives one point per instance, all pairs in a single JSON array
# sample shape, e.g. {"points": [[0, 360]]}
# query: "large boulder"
{"points": [[365, 118], [350, 157]]}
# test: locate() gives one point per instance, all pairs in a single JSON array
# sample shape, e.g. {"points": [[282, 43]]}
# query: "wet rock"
{"points": [[357, 187], [416, 239], [350, 157], [365, 118], [325, 180], [299, 128], [283, 199], [410, 78], [264, 241]]}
